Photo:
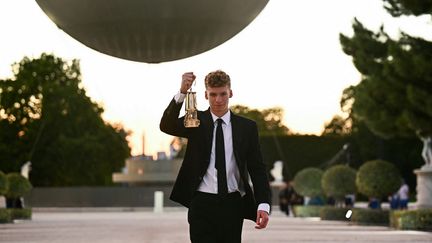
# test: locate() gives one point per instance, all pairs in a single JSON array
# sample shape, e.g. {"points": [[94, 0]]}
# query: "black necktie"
{"points": [[220, 160]]}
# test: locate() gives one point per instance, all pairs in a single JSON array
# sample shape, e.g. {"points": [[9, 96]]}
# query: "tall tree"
{"points": [[393, 97], [338, 126], [408, 7], [46, 117]]}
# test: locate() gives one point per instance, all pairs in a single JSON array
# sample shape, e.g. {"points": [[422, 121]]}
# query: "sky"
{"points": [[289, 56]]}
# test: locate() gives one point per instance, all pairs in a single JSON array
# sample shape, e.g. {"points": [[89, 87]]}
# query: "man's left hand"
{"points": [[262, 219]]}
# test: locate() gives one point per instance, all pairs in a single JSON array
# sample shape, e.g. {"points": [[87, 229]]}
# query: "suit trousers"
{"points": [[213, 219]]}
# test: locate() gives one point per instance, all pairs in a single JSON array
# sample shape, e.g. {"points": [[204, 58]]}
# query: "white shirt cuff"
{"points": [[179, 97], [264, 207]]}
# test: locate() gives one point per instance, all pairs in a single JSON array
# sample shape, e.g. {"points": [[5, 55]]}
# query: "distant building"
{"points": [[143, 170]]}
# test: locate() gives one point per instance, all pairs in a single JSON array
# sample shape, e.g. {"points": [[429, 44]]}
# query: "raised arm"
{"points": [[170, 122]]}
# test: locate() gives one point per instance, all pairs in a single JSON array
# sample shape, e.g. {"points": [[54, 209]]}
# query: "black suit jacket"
{"points": [[246, 150]]}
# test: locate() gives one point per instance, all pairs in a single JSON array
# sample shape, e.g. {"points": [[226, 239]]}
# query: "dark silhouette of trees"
{"points": [[47, 118]]}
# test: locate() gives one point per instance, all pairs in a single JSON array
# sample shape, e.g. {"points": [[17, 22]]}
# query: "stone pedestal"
{"points": [[424, 187]]}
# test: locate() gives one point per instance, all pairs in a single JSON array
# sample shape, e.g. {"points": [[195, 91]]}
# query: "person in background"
{"points": [[350, 200], [285, 198], [394, 201], [374, 203], [403, 194]]}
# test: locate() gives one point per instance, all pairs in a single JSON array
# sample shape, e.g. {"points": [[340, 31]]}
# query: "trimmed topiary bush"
{"points": [[368, 216], [420, 219], [378, 179], [307, 182], [338, 181], [333, 213]]}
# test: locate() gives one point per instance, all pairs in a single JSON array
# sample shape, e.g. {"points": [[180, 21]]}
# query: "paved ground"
{"points": [[144, 226]]}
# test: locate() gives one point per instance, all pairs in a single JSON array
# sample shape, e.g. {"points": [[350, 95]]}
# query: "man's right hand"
{"points": [[187, 80]]}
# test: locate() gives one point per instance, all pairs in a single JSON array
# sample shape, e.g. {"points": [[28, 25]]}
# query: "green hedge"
{"points": [[333, 213], [420, 219], [307, 211], [299, 151], [370, 216], [20, 213], [5, 216]]}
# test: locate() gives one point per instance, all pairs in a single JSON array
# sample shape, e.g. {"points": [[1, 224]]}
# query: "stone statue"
{"points": [[427, 151], [277, 171], [25, 169]]}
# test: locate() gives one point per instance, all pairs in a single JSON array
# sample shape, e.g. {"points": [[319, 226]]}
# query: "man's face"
{"points": [[218, 98]]}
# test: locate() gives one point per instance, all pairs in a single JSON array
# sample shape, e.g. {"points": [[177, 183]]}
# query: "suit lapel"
{"points": [[236, 136]]}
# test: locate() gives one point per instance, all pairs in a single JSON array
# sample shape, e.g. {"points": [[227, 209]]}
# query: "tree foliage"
{"points": [[46, 117], [393, 97], [408, 7], [269, 121], [338, 126]]}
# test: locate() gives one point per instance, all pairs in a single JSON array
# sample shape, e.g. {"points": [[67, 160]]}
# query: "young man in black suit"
{"points": [[222, 161]]}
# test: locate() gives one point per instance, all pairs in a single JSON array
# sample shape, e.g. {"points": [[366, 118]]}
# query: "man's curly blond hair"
{"points": [[217, 78]]}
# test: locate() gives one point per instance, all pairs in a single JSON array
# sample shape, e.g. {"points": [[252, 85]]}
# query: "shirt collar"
{"points": [[226, 118]]}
